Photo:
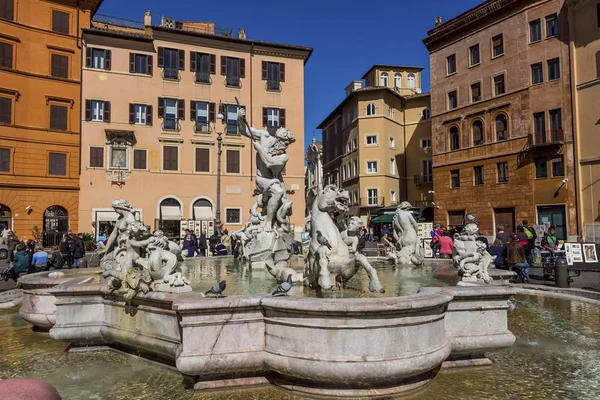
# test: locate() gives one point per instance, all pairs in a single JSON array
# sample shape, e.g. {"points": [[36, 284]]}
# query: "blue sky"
{"points": [[347, 36]]}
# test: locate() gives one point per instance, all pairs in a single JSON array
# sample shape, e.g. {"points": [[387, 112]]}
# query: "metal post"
{"points": [[218, 216]]}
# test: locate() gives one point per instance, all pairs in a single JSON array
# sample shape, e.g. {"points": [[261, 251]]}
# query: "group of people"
{"points": [[217, 245]]}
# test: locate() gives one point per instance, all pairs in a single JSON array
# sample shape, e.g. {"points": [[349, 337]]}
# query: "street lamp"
{"points": [[220, 116]]}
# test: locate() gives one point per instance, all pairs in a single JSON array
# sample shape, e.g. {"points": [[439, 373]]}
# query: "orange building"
{"points": [[40, 84]]}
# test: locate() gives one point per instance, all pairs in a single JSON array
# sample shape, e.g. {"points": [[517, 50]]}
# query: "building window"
{"points": [[427, 171], [232, 119], [57, 164], [474, 55], [171, 111], [97, 58], [455, 178], [392, 166], [383, 79], [233, 69], [5, 110], [60, 66], [553, 69], [558, 166], [426, 114], [344, 173], [452, 100], [478, 175], [4, 160], [96, 157], [541, 167], [273, 117], [598, 14], [202, 113], [411, 81], [6, 55], [58, 117], [391, 112], [371, 167], [497, 46], [354, 143], [140, 159], [556, 124], [535, 31], [499, 85], [171, 61], [371, 109], [501, 128], [204, 65], [392, 143], [454, 139], [371, 139], [354, 168], [551, 26], [170, 158], [355, 113], [60, 22], [7, 9], [537, 74], [139, 114], [477, 133], [451, 64], [372, 197], [118, 158], [233, 161], [539, 127], [393, 196], [502, 172], [97, 110], [397, 81], [233, 216], [202, 159], [140, 64], [274, 74], [426, 143], [476, 92]]}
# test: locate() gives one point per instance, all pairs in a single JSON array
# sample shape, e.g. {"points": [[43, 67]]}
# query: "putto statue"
{"points": [[133, 264], [332, 256], [407, 249], [472, 258], [266, 237]]}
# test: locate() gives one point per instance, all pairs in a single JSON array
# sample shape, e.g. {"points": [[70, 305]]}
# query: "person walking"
{"points": [[12, 241], [65, 251], [190, 243], [202, 244], [39, 260], [226, 240], [531, 237], [516, 259], [77, 249]]}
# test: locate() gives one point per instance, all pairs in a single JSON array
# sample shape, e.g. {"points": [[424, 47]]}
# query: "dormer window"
{"points": [[383, 79]]}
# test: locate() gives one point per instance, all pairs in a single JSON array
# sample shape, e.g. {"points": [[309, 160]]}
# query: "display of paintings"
{"points": [[426, 244], [589, 251], [568, 254], [576, 252]]}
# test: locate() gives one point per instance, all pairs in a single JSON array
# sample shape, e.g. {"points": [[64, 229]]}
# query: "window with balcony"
{"points": [[98, 58], [474, 55], [497, 46], [203, 65], [231, 112], [451, 64], [397, 80], [140, 114], [541, 167], [551, 26], [558, 166], [233, 69], [452, 100], [502, 172], [171, 61], [553, 69], [7, 9], [170, 158], [274, 74], [535, 31], [477, 133], [371, 109], [202, 113], [371, 167], [455, 178], [478, 175], [96, 157], [501, 128], [411, 81], [60, 22], [454, 138], [556, 125], [499, 87], [539, 127], [57, 164], [59, 66], [373, 197], [383, 79], [140, 64], [537, 74], [6, 55], [476, 92], [427, 171], [5, 110], [171, 111]]}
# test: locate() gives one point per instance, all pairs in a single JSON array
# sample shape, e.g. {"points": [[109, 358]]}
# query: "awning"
{"points": [[170, 213], [107, 216], [203, 214], [385, 218]]}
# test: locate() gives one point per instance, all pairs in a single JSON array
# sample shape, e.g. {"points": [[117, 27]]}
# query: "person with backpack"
{"points": [[531, 237], [549, 241]]}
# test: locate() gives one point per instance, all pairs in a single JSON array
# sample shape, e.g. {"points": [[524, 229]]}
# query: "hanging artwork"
{"points": [[576, 252], [568, 254], [589, 250]]}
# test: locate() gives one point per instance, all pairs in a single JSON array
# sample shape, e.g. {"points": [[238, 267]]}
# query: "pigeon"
{"points": [[283, 287], [322, 240], [217, 289]]}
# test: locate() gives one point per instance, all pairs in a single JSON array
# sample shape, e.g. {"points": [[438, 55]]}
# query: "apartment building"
{"points": [[313, 180], [377, 141], [502, 116], [156, 98], [40, 82]]}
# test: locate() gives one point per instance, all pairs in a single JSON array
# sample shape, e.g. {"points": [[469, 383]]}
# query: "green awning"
{"points": [[385, 218]]}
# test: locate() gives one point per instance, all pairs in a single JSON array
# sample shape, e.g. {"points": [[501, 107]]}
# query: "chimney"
{"points": [[242, 33], [438, 21], [352, 87], [147, 18]]}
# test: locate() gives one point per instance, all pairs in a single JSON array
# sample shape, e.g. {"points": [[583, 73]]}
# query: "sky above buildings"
{"points": [[348, 36]]}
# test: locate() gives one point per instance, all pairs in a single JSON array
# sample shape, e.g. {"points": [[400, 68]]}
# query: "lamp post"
{"points": [[219, 151]]}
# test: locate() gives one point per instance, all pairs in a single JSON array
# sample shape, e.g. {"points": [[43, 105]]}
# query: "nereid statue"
{"points": [[332, 256], [132, 264], [266, 237], [407, 249], [472, 258]]}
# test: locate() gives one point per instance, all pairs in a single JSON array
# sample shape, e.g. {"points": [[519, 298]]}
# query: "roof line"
{"points": [[392, 67]]}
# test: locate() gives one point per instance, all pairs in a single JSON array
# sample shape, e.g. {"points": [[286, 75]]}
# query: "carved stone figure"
{"points": [[332, 256], [132, 264], [268, 237], [407, 249], [472, 258]]}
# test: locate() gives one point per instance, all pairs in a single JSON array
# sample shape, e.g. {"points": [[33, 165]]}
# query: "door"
{"points": [[455, 218], [505, 217], [554, 215], [56, 225]]}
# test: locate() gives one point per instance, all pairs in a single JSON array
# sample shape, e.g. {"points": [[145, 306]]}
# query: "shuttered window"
{"points": [[139, 159], [204, 65], [5, 110], [233, 161], [140, 64], [60, 22], [57, 164], [172, 61], [273, 73], [7, 9], [60, 66], [58, 117], [170, 158], [6, 55], [96, 157], [202, 160], [4, 160], [234, 69]]}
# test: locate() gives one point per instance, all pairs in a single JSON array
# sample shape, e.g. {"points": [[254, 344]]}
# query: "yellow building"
{"points": [[377, 141], [151, 121]]}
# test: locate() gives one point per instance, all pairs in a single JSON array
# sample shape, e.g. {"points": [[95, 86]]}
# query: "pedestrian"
{"points": [[516, 259], [501, 235], [77, 249], [226, 240], [190, 243], [39, 260], [55, 259], [531, 237], [498, 250], [21, 260], [436, 234], [371, 234], [361, 242], [549, 241], [12, 241], [446, 244], [202, 244], [65, 251]]}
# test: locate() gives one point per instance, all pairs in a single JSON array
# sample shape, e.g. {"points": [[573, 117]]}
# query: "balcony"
{"points": [[551, 137], [170, 124], [171, 74], [203, 77], [372, 202], [202, 127], [273, 86], [423, 179]]}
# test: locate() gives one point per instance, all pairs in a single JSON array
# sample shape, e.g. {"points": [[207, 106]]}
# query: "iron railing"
{"points": [[373, 201], [552, 136]]}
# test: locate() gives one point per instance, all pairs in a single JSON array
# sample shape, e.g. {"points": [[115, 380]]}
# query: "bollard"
{"points": [[561, 273]]}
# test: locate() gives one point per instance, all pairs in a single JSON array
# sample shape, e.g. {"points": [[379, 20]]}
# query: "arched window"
{"points": [[426, 113], [411, 81], [56, 225], [397, 80], [203, 210], [454, 138], [170, 217], [477, 133], [5, 217], [501, 128], [371, 109], [383, 79]]}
